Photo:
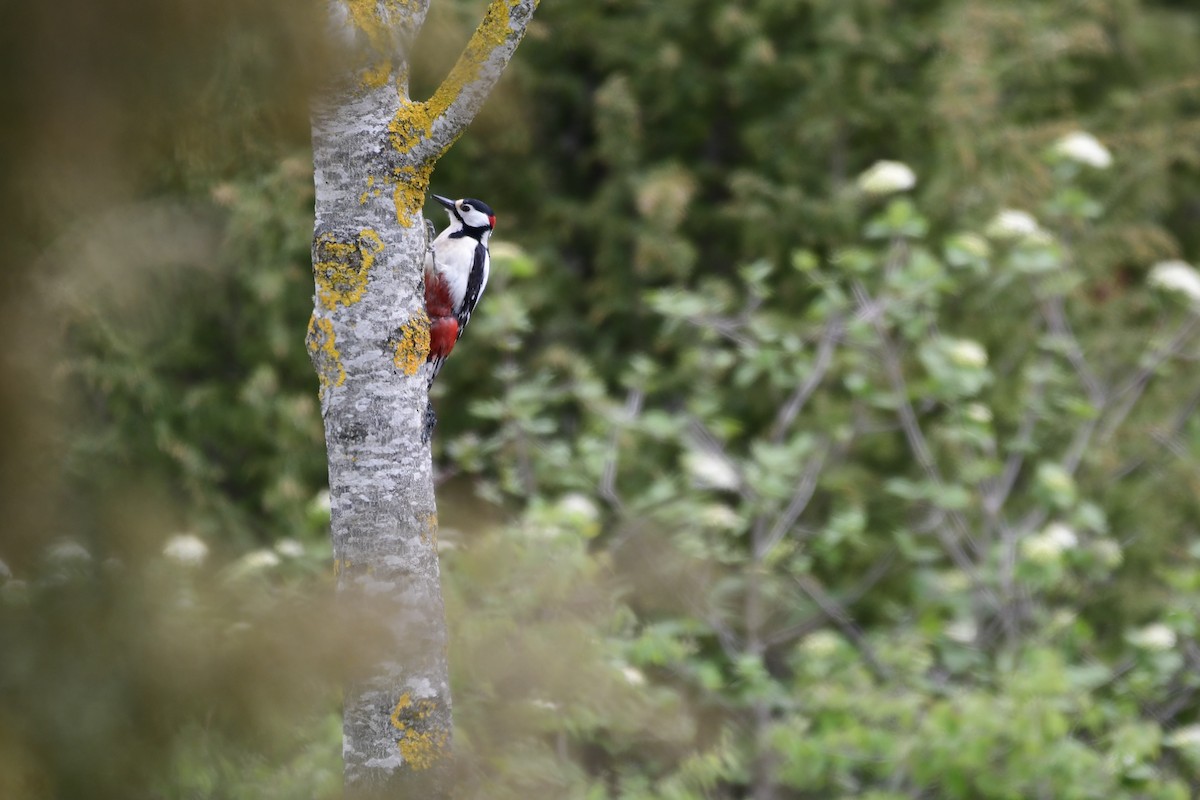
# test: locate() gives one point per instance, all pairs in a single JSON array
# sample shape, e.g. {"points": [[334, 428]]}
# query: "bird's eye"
{"points": [[465, 208]]}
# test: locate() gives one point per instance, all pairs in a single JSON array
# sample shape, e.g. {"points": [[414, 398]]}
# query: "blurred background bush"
{"points": [[827, 430]]}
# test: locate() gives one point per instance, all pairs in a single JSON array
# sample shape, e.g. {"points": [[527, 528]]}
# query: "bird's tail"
{"points": [[435, 366]]}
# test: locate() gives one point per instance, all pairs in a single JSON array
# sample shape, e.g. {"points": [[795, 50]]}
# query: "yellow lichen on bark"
{"points": [[376, 76], [411, 125], [412, 183], [322, 349], [343, 267], [420, 749], [376, 20], [430, 534], [365, 16], [411, 344], [413, 122], [492, 32], [369, 192]]}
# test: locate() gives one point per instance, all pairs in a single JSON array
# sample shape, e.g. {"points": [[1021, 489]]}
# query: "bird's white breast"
{"points": [[454, 260]]}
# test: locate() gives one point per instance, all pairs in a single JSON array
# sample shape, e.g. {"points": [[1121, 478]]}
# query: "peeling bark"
{"points": [[374, 149]]}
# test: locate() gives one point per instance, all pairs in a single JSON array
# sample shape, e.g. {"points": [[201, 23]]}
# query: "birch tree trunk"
{"points": [[374, 149]]}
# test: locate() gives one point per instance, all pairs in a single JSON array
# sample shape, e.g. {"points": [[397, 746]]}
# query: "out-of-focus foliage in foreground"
{"points": [[827, 429]]}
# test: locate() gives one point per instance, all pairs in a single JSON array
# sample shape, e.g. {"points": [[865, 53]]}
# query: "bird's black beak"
{"points": [[445, 201]]}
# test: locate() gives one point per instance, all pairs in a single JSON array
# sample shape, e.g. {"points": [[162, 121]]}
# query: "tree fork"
{"points": [[374, 149]]}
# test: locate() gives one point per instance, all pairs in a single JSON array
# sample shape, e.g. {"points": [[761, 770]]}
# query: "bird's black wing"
{"points": [[476, 282]]}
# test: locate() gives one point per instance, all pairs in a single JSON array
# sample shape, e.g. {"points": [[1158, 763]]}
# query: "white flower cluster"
{"points": [[67, 551], [1048, 546], [962, 631], [289, 548], [1154, 637], [1186, 737], [633, 676], [720, 517], [579, 507], [978, 413], [1055, 479], [966, 353], [1061, 535], [887, 177], [973, 244], [1083, 148], [1176, 276], [186, 550], [1108, 552], [711, 471], [256, 561], [821, 644], [1012, 225], [953, 581]]}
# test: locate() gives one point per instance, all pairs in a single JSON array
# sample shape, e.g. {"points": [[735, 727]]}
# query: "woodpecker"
{"points": [[456, 273]]}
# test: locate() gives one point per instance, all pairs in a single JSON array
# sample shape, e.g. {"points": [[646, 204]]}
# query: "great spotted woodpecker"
{"points": [[456, 273]]}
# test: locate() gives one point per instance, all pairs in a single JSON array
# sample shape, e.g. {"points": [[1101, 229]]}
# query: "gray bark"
{"points": [[374, 149]]}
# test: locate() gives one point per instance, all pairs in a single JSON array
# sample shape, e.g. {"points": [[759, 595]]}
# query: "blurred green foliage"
{"points": [[772, 476]]}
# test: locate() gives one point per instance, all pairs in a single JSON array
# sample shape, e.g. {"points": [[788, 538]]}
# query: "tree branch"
{"points": [[919, 446], [917, 442], [1168, 434], [840, 617], [999, 489], [800, 499], [1056, 320], [608, 480], [875, 574], [787, 414], [461, 95], [1132, 390]]}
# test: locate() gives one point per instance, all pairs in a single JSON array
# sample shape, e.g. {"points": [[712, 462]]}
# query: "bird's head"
{"points": [[469, 213]]}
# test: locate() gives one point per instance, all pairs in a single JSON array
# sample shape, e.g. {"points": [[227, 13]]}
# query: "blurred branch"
{"points": [[1162, 437], [917, 442], [728, 327], [1055, 315], [868, 582], [787, 414], [799, 501], [838, 614], [1132, 390], [919, 446], [608, 479], [997, 494], [1182, 688], [730, 646], [1128, 394]]}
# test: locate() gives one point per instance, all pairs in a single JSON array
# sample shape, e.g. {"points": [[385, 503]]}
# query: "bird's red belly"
{"points": [[443, 333], [443, 325], [438, 302]]}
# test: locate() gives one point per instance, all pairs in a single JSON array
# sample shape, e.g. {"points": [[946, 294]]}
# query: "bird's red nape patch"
{"points": [[492, 219], [443, 333]]}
